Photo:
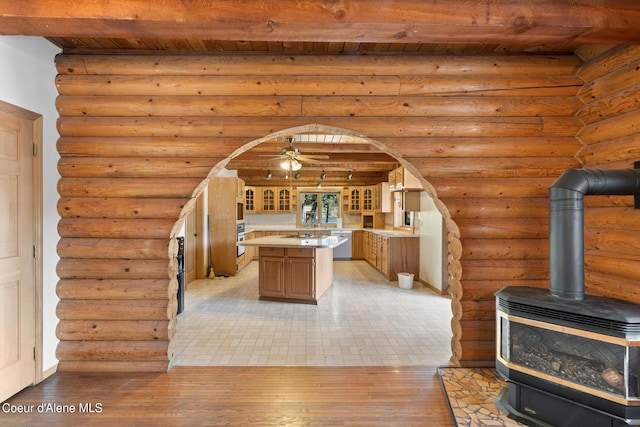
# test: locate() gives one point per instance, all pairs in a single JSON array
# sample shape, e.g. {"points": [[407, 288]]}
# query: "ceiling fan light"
{"points": [[323, 175], [297, 175], [268, 174], [286, 164], [350, 175], [295, 165]]}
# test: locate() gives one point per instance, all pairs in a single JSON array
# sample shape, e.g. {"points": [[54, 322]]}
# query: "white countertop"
{"points": [[381, 231], [312, 241]]}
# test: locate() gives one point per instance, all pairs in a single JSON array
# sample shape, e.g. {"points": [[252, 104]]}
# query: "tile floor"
{"points": [[364, 320]]}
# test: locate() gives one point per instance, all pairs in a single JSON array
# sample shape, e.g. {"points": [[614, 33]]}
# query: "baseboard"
{"points": [[52, 370], [433, 288]]}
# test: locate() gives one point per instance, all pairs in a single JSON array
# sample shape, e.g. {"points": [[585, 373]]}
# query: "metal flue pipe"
{"points": [[566, 222]]}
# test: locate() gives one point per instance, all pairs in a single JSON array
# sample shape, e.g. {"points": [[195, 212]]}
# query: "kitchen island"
{"points": [[296, 267]]}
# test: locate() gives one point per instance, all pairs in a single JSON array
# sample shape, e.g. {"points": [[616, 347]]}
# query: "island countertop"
{"points": [[296, 241]]}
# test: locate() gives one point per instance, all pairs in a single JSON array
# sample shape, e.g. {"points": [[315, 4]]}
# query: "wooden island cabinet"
{"points": [[295, 268], [295, 274]]}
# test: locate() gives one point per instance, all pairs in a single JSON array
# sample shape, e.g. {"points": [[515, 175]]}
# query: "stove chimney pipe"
{"points": [[566, 222]]}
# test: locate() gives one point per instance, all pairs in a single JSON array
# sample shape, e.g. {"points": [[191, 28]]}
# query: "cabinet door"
{"points": [[272, 276], [284, 200], [250, 200], [384, 256], [268, 200], [400, 178], [300, 281], [367, 199], [354, 199], [357, 244], [240, 190]]}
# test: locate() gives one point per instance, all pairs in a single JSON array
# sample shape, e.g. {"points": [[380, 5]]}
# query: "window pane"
{"points": [[309, 208], [330, 208]]}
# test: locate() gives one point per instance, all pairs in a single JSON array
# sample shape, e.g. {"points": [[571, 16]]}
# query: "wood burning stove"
{"points": [[568, 359]]}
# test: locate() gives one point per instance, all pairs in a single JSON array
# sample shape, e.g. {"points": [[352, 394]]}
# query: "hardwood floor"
{"points": [[238, 396]]}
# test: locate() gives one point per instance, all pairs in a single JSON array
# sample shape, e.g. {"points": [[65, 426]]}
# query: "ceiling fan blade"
{"points": [[305, 157], [307, 160]]}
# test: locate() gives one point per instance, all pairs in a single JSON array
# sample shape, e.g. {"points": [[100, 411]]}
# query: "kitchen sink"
{"points": [[304, 236]]}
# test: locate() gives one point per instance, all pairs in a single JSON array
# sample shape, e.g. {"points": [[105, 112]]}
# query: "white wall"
{"points": [[430, 225], [27, 80]]}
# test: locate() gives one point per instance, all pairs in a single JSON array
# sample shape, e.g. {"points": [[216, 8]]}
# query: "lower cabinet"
{"points": [[295, 274], [357, 244], [392, 255]]}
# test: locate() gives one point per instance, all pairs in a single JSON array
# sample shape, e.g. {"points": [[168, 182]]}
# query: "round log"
{"points": [[148, 309], [127, 187], [477, 207], [112, 350], [145, 65], [115, 228], [92, 268], [137, 167], [111, 330], [103, 289], [92, 366], [121, 208], [113, 248]]}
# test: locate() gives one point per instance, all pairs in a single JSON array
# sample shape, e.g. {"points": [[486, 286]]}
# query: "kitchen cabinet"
{"points": [[222, 222], [285, 199], [250, 200], [354, 199], [391, 255], [382, 198], [271, 199], [295, 274], [239, 191], [407, 200], [267, 200], [357, 244], [367, 199], [402, 180]]}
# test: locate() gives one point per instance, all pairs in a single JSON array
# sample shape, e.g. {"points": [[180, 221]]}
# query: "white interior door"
{"points": [[17, 277]]}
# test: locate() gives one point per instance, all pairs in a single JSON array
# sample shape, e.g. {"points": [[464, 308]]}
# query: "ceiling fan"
{"points": [[292, 158]]}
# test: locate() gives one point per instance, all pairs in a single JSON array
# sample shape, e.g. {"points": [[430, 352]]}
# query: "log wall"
{"points": [[139, 134], [611, 138]]}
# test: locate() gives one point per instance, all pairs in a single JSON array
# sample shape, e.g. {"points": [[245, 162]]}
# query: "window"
{"points": [[319, 208]]}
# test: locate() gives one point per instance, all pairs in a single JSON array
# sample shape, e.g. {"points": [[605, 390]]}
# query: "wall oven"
{"points": [[240, 238]]}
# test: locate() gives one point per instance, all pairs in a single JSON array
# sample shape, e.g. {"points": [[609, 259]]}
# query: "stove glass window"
{"points": [[604, 366]]}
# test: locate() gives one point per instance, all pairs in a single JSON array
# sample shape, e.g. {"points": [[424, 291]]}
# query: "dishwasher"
{"points": [[344, 250]]}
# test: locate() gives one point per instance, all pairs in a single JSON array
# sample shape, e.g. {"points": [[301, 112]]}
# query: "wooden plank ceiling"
{"points": [[325, 27]]}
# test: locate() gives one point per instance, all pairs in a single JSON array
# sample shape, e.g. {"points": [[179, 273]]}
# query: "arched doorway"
{"points": [[327, 129]]}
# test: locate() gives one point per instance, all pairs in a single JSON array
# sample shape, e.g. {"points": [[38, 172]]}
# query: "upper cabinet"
{"points": [[285, 199], [367, 198], [382, 198], [270, 199], [240, 191], [354, 196], [250, 200], [401, 180]]}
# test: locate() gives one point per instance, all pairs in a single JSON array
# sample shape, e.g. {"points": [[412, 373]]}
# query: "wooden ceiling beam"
{"points": [[360, 21]]}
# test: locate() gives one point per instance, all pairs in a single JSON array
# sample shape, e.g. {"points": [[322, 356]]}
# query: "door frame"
{"points": [[36, 202]]}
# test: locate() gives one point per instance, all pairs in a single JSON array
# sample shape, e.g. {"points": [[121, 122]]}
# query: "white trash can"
{"points": [[405, 280]]}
